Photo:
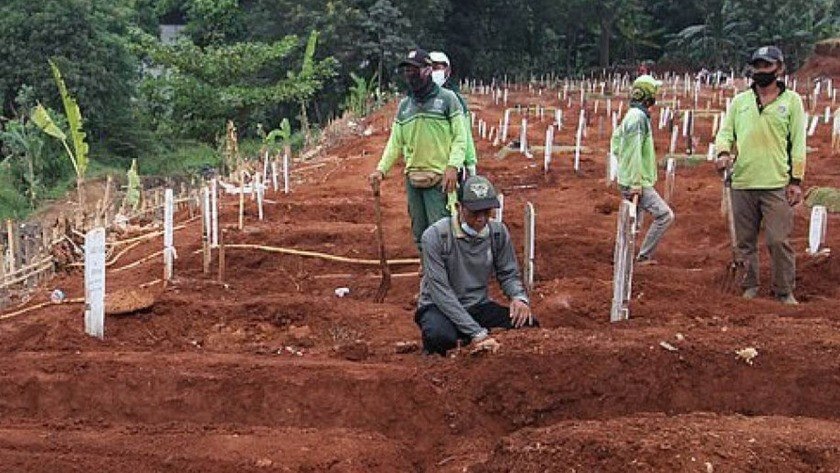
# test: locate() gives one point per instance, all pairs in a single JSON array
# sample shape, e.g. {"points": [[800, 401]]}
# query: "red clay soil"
{"points": [[271, 371]]}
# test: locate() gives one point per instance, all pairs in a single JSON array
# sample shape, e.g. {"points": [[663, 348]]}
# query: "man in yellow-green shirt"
{"points": [[767, 124], [632, 143], [429, 133]]}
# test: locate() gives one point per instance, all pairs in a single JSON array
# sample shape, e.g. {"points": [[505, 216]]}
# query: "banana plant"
{"points": [[283, 134], [79, 154], [307, 70]]}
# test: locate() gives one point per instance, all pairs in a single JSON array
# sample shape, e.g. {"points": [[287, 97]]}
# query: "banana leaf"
{"points": [[74, 119]]}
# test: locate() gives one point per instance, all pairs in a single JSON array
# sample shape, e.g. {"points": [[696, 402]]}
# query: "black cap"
{"points": [[770, 54], [417, 57], [477, 193]]}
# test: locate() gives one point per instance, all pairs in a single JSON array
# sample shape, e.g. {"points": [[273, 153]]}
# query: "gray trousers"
{"points": [[663, 217], [750, 207]]}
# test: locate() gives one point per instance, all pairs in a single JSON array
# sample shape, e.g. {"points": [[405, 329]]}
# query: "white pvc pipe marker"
{"points": [[530, 239], [214, 214], [169, 254], [95, 283], [819, 226]]}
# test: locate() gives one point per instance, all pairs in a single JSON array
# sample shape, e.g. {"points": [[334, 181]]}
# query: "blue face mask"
{"points": [[473, 232]]}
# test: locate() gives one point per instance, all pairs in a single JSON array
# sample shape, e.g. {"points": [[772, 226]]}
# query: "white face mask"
{"points": [[471, 231], [439, 77]]}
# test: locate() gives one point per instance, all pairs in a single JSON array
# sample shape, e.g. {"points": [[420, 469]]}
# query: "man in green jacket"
{"points": [[429, 132], [632, 143], [767, 122], [441, 72]]}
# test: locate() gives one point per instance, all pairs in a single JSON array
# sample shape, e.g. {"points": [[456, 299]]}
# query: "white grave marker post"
{"points": [[214, 213], [286, 160], [530, 238], [827, 114], [168, 235], [670, 176], [501, 210], [505, 125], [95, 283], [674, 133], [819, 225], [813, 128], [274, 175], [208, 226], [523, 136], [258, 182], [549, 144], [711, 155]]}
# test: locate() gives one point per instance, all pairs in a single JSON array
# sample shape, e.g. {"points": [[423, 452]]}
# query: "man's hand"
{"points": [[793, 193], [520, 313], [723, 162], [450, 179], [633, 195], [375, 177], [484, 345]]}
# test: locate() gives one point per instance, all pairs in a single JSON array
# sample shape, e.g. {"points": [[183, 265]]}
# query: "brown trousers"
{"points": [[750, 207]]}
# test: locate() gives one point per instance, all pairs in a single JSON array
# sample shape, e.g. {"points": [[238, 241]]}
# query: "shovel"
{"points": [[385, 284], [736, 270]]}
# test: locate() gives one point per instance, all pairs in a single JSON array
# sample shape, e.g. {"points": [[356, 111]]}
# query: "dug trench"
{"points": [[425, 406]]}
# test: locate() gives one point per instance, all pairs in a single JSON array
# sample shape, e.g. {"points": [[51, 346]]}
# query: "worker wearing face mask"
{"points": [[430, 134], [460, 255], [767, 125], [441, 72]]}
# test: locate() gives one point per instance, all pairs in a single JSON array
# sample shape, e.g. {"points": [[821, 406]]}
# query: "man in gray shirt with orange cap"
{"points": [[459, 255]]}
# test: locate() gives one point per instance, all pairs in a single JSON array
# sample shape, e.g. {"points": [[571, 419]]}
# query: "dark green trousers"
{"points": [[750, 208], [425, 207]]}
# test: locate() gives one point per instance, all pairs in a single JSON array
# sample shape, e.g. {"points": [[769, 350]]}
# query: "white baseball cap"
{"points": [[439, 57]]}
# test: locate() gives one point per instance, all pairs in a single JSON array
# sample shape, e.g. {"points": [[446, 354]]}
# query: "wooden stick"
{"points": [[148, 236], [314, 254], [78, 300], [139, 262], [412, 274], [26, 268], [44, 267]]}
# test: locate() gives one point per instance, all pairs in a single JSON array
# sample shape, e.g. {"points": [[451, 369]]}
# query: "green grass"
{"points": [[183, 158]]}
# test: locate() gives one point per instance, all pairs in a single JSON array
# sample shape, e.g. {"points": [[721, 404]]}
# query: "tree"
{"points": [[88, 41], [198, 88], [386, 41]]}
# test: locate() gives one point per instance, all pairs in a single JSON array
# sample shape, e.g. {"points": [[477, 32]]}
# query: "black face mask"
{"points": [[763, 79], [416, 82]]}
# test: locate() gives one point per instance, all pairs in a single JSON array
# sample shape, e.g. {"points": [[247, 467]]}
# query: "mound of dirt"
{"points": [[825, 62]]}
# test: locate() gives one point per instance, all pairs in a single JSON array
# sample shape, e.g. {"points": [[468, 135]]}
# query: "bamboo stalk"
{"points": [[139, 262], [45, 265], [315, 254], [78, 300]]}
